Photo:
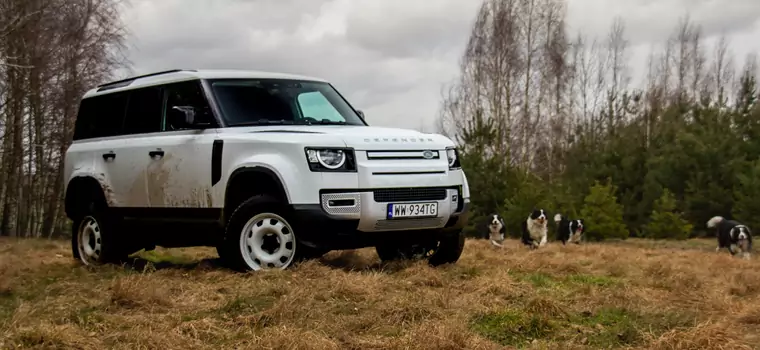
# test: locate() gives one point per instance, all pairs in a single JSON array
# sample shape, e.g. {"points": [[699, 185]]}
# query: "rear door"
{"points": [[116, 163], [142, 124]]}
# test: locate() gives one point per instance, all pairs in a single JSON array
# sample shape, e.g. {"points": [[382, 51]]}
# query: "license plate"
{"points": [[412, 210]]}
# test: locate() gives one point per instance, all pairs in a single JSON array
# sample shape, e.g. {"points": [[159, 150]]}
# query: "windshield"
{"points": [[275, 101]]}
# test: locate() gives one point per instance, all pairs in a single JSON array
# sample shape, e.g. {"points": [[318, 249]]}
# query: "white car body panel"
{"points": [[182, 178]]}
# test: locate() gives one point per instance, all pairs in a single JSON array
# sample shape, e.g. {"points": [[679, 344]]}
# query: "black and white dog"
{"points": [[732, 234], [496, 230], [535, 229], [569, 230]]}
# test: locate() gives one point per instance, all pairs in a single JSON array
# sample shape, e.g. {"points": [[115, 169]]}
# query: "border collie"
{"points": [[496, 230], [731, 235], [569, 230], [535, 229]]}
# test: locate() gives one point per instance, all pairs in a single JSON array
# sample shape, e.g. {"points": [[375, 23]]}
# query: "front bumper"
{"points": [[357, 218], [370, 207]]}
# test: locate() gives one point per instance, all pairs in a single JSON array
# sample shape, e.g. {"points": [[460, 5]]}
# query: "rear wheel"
{"points": [[406, 251], [445, 248], [94, 238], [450, 248]]}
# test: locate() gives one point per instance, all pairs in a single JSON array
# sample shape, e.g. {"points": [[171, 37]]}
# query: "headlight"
{"points": [[453, 157], [331, 159]]}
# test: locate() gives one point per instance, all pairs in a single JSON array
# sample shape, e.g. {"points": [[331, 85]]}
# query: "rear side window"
{"points": [[101, 116], [144, 111]]}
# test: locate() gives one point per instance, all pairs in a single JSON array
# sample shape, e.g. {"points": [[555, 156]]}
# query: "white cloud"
{"points": [[388, 57]]}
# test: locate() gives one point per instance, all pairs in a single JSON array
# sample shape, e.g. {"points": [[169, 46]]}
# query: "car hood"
{"points": [[364, 137]]}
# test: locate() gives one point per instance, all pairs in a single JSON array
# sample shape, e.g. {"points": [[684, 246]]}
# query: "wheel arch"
{"points": [[80, 191], [248, 181]]}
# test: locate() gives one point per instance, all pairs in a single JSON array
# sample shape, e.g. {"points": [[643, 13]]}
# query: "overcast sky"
{"points": [[390, 58]]}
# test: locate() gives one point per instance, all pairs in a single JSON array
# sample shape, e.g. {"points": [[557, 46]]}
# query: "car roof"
{"points": [[178, 75]]}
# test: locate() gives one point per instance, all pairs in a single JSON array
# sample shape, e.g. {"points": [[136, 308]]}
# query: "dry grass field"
{"points": [[634, 294]]}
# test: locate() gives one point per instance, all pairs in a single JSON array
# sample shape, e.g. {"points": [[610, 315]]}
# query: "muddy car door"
{"points": [[111, 149], [143, 125], [180, 176]]}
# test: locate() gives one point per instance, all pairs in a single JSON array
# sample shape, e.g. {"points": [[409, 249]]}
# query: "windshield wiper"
{"points": [[266, 122], [320, 122], [330, 122]]}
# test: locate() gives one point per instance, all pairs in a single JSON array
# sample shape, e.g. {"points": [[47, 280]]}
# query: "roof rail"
{"points": [[127, 81]]}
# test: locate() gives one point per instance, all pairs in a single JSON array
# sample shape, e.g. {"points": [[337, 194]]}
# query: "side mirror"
{"points": [[188, 112], [360, 113]]}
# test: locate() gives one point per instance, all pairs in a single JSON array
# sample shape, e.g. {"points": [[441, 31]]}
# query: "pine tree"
{"points": [[603, 214], [665, 222], [746, 205]]}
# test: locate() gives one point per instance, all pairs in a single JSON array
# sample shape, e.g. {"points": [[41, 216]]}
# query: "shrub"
{"points": [[665, 222], [602, 213]]}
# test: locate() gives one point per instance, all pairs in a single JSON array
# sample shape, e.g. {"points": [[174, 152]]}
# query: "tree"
{"points": [[51, 52], [746, 196], [665, 222], [603, 214]]}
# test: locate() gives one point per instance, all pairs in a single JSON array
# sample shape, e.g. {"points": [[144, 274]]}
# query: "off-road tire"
{"points": [[105, 242], [393, 250], [231, 249], [450, 248], [446, 248]]}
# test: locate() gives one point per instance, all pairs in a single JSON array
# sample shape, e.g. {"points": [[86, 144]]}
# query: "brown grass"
{"points": [[634, 294]]}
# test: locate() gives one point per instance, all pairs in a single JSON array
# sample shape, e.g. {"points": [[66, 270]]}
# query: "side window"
{"points": [[245, 101], [84, 127], [100, 116], [144, 111], [180, 96], [315, 105]]}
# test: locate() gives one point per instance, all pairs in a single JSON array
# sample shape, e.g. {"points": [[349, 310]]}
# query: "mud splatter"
{"points": [[161, 185], [157, 178], [209, 198], [107, 190], [138, 194], [197, 197]]}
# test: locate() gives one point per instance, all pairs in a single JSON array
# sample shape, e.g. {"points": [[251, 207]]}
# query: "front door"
{"points": [[179, 175]]}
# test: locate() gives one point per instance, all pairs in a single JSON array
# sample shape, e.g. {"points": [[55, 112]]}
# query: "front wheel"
{"points": [[445, 248], [259, 236]]}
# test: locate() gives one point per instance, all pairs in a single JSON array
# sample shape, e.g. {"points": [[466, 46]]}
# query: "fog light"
{"points": [[341, 202]]}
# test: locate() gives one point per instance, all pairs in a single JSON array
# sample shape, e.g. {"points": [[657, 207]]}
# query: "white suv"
{"points": [[268, 168]]}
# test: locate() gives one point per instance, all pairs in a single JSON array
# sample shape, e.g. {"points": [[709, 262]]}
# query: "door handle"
{"points": [[109, 155], [154, 154]]}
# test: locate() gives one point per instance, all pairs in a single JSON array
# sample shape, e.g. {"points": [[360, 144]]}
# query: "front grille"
{"points": [[404, 155], [409, 194], [408, 224]]}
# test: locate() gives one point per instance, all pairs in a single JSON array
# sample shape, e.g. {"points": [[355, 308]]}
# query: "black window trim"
{"points": [[348, 103], [93, 101], [218, 113], [202, 84], [204, 93], [206, 88], [130, 92]]}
